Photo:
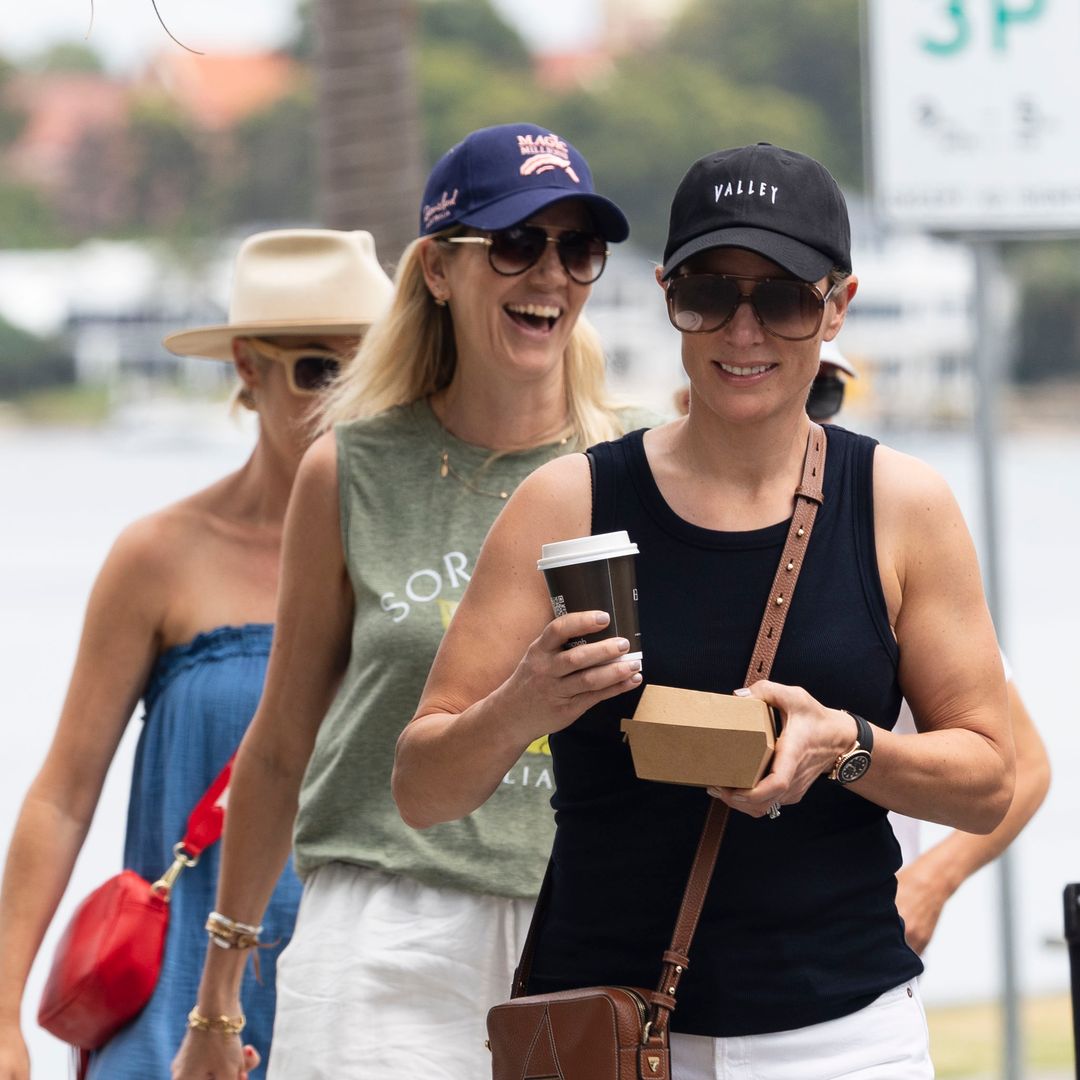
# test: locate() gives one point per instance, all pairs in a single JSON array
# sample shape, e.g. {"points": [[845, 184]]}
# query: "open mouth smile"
{"points": [[534, 316]]}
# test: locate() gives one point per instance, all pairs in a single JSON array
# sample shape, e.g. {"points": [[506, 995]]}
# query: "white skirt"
{"points": [[390, 979]]}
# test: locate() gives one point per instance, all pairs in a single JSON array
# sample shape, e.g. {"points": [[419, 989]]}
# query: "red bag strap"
{"points": [[808, 497], [204, 827], [207, 820]]}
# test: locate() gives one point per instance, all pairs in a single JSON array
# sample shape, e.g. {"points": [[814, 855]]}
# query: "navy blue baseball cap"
{"points": [[499, 176]]}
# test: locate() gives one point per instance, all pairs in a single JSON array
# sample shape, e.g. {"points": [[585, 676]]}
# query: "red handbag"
{"points": [[108, 960]]}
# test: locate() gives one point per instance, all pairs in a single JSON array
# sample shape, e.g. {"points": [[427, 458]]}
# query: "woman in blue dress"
{"points": [[179, 617]]}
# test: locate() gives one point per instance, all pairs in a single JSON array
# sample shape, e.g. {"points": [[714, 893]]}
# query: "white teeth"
{"points": [[542, 311], [757, 369]]}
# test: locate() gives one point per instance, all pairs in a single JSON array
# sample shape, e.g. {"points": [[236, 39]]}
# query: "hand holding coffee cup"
{"points": [[591, 649], [595, 573]]}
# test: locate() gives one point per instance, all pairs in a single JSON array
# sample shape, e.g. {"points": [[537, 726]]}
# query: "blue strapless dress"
{"points": [[199, 701]]}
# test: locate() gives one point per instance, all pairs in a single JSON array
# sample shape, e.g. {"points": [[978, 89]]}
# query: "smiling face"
{"points": [[741, 372], [515, 327]]}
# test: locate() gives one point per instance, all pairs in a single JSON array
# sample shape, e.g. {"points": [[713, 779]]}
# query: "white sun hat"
{"points": [[313, 282]]}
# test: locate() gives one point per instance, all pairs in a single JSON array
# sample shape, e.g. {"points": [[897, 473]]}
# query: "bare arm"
{"points": [[307, 660], [959, 770], [118, 645], [501, 678], [926, 884]]}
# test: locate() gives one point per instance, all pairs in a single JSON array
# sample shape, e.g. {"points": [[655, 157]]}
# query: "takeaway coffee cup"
{"points": [[595, 573]]}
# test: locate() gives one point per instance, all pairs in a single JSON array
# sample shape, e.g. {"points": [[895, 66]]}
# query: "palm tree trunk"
{"points": [[368, 119]]}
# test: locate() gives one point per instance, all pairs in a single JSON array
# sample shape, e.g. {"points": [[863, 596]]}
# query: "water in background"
{"points": [[64, 497]]}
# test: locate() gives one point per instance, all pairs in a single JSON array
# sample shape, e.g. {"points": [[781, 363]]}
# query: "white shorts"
{"points": [[887, 1040], [390, 979]]}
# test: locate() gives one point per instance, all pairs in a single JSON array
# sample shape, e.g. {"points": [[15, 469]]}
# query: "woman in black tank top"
{"points": [[799, 931]]}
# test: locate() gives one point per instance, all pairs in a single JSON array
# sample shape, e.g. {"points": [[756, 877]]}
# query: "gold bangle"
{"points": [[223, 1025], [229, 934]]}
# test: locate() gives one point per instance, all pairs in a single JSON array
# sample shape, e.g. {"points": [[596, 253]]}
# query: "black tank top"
{"points": [[800, 923]]}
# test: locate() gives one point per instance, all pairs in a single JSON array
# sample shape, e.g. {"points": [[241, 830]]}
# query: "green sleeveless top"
{"points": [[416, 504]]}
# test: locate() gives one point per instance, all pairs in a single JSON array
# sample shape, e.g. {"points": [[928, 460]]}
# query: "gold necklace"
{"points": [[446, 469]]}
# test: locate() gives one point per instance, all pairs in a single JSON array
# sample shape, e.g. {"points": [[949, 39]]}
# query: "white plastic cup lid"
{"points": [[584, 549]]}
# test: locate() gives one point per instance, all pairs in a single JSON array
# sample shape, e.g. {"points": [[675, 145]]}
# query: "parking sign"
{"points": [[975, 110]]}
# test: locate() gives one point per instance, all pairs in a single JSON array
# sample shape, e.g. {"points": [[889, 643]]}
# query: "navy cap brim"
{"points": [[795, 257], [515, 208]]}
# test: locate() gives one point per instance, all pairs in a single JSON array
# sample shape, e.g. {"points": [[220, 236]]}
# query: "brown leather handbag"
{"points": [[621, 1032]]}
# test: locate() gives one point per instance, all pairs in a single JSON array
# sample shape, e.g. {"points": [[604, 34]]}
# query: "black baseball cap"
{"points": [[498, 176], [778, 203]]}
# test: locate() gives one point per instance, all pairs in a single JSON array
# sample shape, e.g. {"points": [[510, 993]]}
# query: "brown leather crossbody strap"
{"points": [[808, 496]]}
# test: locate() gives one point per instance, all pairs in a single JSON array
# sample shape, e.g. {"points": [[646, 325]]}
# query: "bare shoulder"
{"points": [[320, 461], [313, 521], [918, 523], [568, 474], [315, 489], [909, 495], [554, 502], [142, 573], [147, 551]]}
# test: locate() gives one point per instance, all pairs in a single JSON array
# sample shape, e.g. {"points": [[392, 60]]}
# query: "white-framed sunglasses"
{"points": [[309, 369]]}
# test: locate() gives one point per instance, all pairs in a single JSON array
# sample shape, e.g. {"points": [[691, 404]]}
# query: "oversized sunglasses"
{"points": [[785, 307], [512, 251], [308, 368]]}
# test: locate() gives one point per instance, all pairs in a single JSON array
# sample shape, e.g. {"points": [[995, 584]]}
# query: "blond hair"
{"points": [[410, 353]]}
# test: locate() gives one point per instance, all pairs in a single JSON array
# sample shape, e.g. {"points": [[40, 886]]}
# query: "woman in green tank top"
{"points": [[482, 370]]}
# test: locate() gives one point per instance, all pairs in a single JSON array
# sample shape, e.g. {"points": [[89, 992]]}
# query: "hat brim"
{"points": [[841, 364], [806, 263], [515, 208], [215, 342]]}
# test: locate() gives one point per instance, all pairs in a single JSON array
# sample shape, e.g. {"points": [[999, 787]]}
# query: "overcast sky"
{"points": [[126, 31]]}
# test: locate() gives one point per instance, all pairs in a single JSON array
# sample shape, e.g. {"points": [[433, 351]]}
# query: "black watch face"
{"points": [[855, 766]]}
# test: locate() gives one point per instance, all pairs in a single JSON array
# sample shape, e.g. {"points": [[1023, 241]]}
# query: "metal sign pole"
{"points": [[1072, 939], [988, 366]]}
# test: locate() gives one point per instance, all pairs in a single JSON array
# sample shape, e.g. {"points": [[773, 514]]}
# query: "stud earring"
{"points": [[440, 301]]}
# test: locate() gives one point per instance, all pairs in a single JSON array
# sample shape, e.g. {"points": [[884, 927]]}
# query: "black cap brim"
{"points": [[515, 208], [795, 257]]}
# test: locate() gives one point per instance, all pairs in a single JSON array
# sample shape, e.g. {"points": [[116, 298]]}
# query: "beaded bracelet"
{"points": [[223, 1025], [227, 933]]}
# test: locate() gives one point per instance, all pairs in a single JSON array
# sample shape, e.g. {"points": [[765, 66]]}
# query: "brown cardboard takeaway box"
{"points": [[690, 737]]}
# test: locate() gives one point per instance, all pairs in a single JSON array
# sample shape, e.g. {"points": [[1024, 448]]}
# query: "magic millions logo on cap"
{"points": [[543, 153]]}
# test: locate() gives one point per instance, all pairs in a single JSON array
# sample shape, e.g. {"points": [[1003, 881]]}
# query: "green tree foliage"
{"points": [[31, 363], [476, 26], [643, 129], [27, 221], [461, 91], [474, 71], [274, 179], [69, 56], [12, 119], [171, 186], [809, 48]]}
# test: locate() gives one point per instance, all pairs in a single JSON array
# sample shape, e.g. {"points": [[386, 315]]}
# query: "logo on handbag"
{"points": [[654, 1063]]}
